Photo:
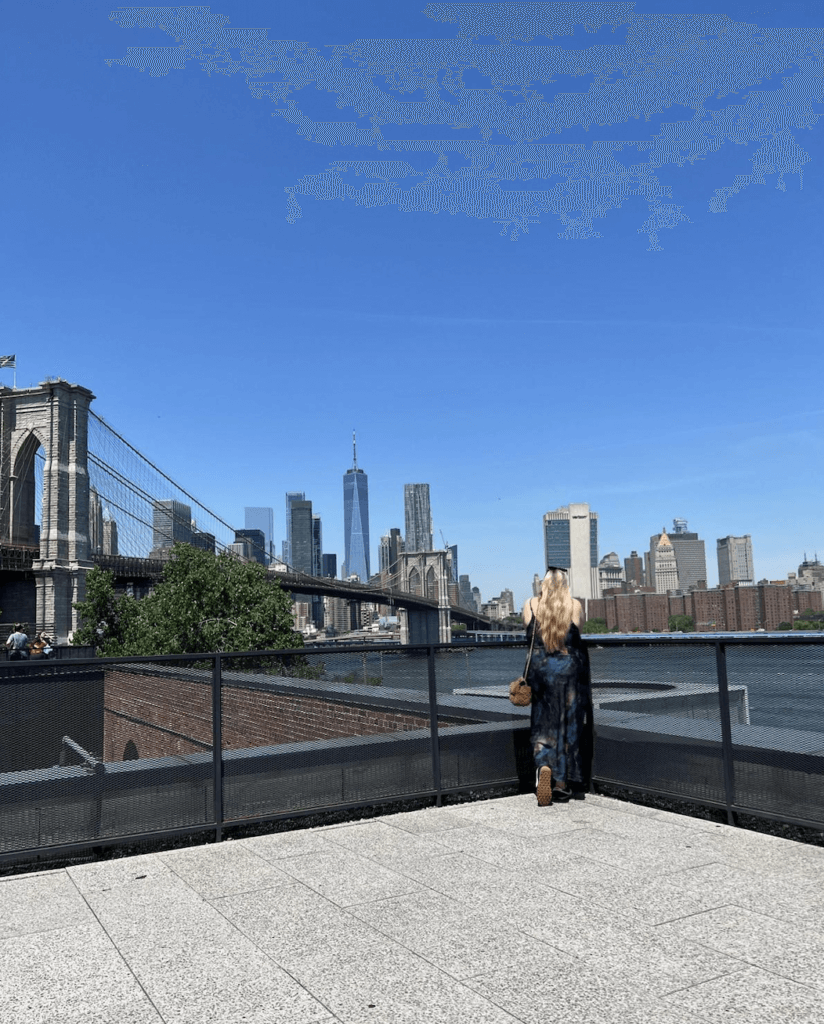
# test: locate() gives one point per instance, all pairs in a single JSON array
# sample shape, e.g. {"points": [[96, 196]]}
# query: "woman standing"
{"points": [[561, 726]]}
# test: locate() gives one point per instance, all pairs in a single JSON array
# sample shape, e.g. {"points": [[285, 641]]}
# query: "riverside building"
{"points": [[571, 543]]}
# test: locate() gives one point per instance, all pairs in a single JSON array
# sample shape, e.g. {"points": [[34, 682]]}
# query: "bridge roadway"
{"points": [[151, 569]]}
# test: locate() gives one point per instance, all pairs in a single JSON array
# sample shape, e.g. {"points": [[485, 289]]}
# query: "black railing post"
{"points": [[433, 725], [726, 730], [217, 747]]}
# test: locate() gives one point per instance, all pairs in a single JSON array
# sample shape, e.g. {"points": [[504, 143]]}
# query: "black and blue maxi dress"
{"points": [[561, 728]]}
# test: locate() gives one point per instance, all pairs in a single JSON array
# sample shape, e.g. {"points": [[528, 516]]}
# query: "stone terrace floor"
{"points": [[481, 913]]}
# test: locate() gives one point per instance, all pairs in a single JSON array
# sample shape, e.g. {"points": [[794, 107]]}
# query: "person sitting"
{"points": [[18, 644], [42, 645]]}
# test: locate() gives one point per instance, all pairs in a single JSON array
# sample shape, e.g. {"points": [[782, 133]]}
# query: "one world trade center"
{"points": [[356, 519]]}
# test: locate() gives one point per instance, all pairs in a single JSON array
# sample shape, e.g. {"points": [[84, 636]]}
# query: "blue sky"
{"points": [[148, 257]]}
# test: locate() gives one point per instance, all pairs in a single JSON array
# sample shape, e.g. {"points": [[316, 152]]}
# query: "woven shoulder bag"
{"points": [[520, 692]]}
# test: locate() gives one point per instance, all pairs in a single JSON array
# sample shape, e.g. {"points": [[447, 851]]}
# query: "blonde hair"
{"points": [[554, 611]]}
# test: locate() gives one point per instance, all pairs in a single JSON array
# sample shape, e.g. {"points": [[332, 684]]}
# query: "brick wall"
{"points": [[161, 715]]}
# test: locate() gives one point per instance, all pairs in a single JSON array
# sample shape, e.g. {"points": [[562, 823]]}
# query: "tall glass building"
{"points": [[291, 496], [356, 520], [263, 519], [571, 542]]}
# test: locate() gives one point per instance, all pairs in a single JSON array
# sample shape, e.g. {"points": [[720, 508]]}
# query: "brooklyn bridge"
{"points": [[74, 494]]}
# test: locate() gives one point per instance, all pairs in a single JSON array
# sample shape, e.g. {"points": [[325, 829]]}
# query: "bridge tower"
{"points": [[54, 415], [426, 573]]}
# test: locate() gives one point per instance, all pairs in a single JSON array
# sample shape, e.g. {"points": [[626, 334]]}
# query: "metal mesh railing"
{"points": [[101, 751]]}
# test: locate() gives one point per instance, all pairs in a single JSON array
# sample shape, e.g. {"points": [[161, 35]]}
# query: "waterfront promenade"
{"points": [[493, 912]]}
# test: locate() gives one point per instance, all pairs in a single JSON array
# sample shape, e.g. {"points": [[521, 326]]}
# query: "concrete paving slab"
{"points": [[560, 991], [345, 878], [394, 986], [428, 819], [776, 896], [221, 870], [292, 923], [374, 921], [493, 845], [654, 900], [280, 845], [462, 941], [193, 964], [751, 996], [123, 871], [653, 856], [379, 841], [67, 974], [40, 902], [790, 950]]}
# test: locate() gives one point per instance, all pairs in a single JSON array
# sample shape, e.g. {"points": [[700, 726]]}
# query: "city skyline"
{"points": [[149, 227]]}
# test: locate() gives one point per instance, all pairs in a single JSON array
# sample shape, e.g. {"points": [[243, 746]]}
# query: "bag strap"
{"points": [[531, 642]]}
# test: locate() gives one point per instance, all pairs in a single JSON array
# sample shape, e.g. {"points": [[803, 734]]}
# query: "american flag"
{"points": [[7, 361]]}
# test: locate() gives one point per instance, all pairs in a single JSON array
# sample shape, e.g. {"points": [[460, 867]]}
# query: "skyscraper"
{"points": [[109, 535], [690, 556], [735, 560], [391, 547], [317, 545], [171, 523], [301, 539], [255, 544], [666, 567], [95, 523], [291, 496], [356, 520], [634, 569], [329, 565], [571, 542], [262, 518], [418, 517]]}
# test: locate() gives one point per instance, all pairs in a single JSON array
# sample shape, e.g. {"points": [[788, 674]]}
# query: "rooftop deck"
{"points": [[595, 911]]}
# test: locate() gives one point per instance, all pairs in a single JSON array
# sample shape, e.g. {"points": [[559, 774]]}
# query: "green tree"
{"points": [[105, 618], [784, 627], [681, 623], [204, 603], [595, 626]]}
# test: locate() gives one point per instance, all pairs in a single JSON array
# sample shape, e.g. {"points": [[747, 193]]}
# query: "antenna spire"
{"points": [[354, 452]]}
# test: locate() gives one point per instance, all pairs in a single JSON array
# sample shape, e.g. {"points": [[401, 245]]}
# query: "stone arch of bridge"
{"points": [[54, 415]]}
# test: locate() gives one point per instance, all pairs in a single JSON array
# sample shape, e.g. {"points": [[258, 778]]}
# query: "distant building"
{"points": [[201, 540], [500, 607], [417, 517], [465, 592], [476, 599], [610, 572], [735, 560], [171, 524], [662, 557], [255, 541], [690, 557], [110, 545], [634, 570], [291, 496], [453, 561], [391, 548], [329, 566], [95, 523], [571, 542], [317, 545], [356, 520], [262, 518], [300, 533]]}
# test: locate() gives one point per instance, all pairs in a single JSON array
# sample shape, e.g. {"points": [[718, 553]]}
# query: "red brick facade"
{"points": [[729, 608], [159, 715]]}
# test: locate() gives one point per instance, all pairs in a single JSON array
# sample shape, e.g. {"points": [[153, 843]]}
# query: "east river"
{"points": [[785, 683]]}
